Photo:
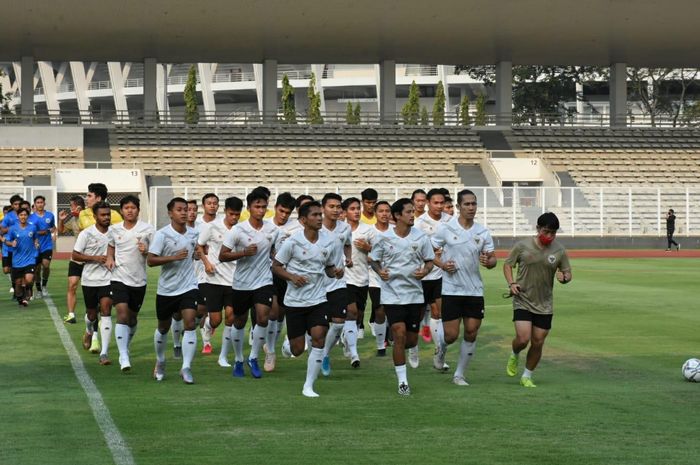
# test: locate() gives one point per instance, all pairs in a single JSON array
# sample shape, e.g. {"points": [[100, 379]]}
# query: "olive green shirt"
{"points": [[536, 270]]}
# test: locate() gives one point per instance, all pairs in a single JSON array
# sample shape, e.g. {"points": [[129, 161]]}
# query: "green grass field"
{"points": [[609, 389]]}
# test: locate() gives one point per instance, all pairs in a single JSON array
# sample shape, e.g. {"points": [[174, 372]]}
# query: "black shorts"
{"points": [[131, 296], [18, 273], [92, 295], [408, 314], [338, 301], [280, 288], [75, 269], [45, 255], [168, 305], [456, 307], [432, 290], [244, 300], [216, 296], [358, 294], [302, 319], [7, 261], [541, 321], [375, 295]]}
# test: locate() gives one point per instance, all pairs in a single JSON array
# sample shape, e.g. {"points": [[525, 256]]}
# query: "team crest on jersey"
{"points": [[414, 247], [551, 259], [47, 220], [477, 239], [30, 234], [324, 252]]}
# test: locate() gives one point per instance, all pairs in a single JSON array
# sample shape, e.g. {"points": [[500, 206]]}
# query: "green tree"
{"points": [[439, 106], [480, 117], [356, 114], [289, 112], [349, 115], [313, 113], [190, 96], [464, 117], [411, 110], [424, 117]]}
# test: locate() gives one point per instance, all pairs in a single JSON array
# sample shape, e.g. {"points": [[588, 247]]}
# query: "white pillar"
{"points": [[80, 84], [116, 79], [205, 81], [27, 86], [318, 72], [387, 92], [269, 91], [150, 87], [579, 99], [258, 75], [618, 94], [48, 83], [443, 71], [162, 73], [504, 93]]}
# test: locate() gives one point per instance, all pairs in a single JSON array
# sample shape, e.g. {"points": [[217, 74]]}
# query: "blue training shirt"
{"points": [[43, 223], [8, 221], [24, 253]]}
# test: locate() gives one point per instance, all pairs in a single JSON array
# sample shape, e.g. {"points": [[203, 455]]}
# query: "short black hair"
{"points": [[462, 193], [100, 204], [25, 202], [16, 198], [264, 190], [445, 192], [78, 200], [369, 194], [306, 208], [130, 199], [548, 220], [208, 196], [99, 189], [39, 197], [398, 206], [347, 202], [671, 210], [286, 200], [191, 202], [416, 192], [382, 202], [330, 196], [448, 199], [303, 198], [175, 200], [433, 192], [6, 208], [26, 210], [233, 203], [256, 194]]}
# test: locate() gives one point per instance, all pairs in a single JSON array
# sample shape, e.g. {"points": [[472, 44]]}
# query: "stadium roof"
{"points": [[596, 32]]}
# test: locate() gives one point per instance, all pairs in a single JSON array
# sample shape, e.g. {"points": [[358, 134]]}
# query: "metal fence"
{"points": [[28, 193], [512, 211]]}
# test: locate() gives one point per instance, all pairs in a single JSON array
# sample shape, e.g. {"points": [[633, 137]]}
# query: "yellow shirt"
{"points": [[365, 220], [87, 218], [245, 214]]}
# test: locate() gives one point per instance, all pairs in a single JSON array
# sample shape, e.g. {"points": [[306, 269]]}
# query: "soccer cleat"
{"points": [[270, 359], [238, 370], [355, 362], [439, 359], [404, 390], [678, 248], [425, 333], [24, 303], [223, 363], [460, 381], [512, 365], [69, 319], [309, 392], [413, 357], [326, 366], [527, 382], [361, 333], [87, 340], [124, 365], [177, 352], [286, 349], [12, 290], [159, 371], [381, 352], [36, 296], [95, 345], [254, 368], [45, 292], [206, 349], [186, 374], [104, 360]]}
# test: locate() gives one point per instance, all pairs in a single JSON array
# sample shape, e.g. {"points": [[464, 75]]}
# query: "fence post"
{"points": [[515, 228], [658, 211], [629, 211], [687, 211], [602, 212], [573, 212]]}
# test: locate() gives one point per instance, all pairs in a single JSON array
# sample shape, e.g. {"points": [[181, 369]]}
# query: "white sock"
{"points": [[71, 314], [225, 342], [206, 331], [438, 332], [527, 373], [271, 338], [401, 373], [189, 347], [121, 333], [177, 327], [307, 341], [132, 332], [332, 337], [105, 333], [426, 316], [380, 334], [88, 325], [259, 335], [313, 366], [159, 342], [466, 351], [237, 339], [350, 328]]}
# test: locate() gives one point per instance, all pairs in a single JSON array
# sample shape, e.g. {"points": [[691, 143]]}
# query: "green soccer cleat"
{"points": [[95, 344], [527, 382], [512, 365]]}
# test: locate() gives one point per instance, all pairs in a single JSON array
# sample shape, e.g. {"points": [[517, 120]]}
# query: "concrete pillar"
{"points": [[150, 87], [387, 92], [27, 86], [269, 91], [504, 93], [618, 94]]}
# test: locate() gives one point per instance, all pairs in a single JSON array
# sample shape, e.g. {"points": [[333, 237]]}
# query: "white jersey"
{"points": [[199, 223], [402, 256], [129, 262], [176, 277], [358, 273], [429, 226], [340, 236], [308, 259], [374, 279], [212, 235], [287, 230], [252, 272], [92, 242], [462, 246]]}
